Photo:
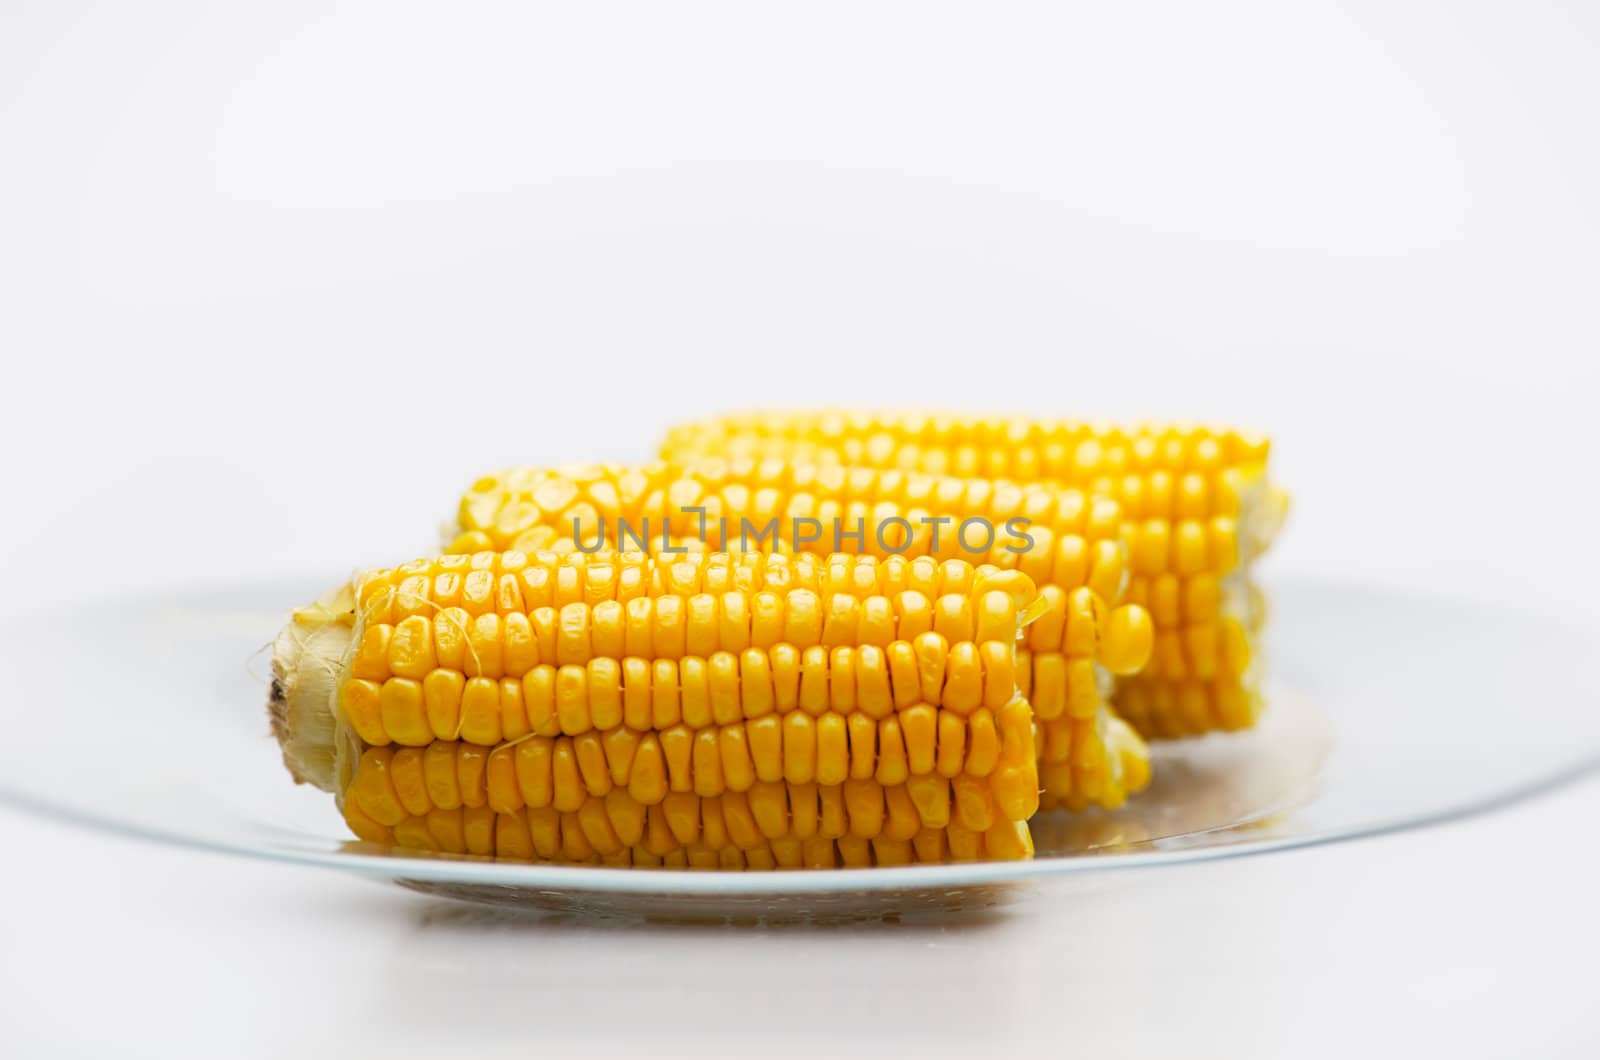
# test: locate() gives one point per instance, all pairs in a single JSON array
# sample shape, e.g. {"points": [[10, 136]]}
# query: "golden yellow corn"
{"points": [[1196, 503], [1069, 542], [752, 710]]}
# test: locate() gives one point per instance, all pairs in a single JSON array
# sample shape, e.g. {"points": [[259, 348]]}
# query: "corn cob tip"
{"points": [[306, 660]]}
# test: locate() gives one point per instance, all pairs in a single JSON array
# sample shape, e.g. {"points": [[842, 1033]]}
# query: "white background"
{"points": [[276, 280]]}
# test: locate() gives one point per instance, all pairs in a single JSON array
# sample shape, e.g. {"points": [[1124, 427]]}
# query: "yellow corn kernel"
{"points": [[833, 749], [677, 751], [799, 748], [620, 745], [484, 648], [441, 702], [892, 767], [533, 761], [593, 768], [905, 673], [804, 810], [1083, 695], [477, 828], [832, 813], [931, 798], [572, 699], [503, 793], [360, 700], [1047, 689], [861, 732], [739, 821], [441, 776], [648, 781], [480, 711], [410, 647], [363, 826], [919, 727], [407, 777], [983, 744], [520, 644], [974, 803], [371, 661], [595, 824], [572, 634], [863, 801], [401, 710], [668, 628], [444, 827], [1127, 640], [951, 755], [931, 654], [373, 791], [738, 769], [568, 791], [544, 830], [600, 688], [901, 819], [1008, 841]]}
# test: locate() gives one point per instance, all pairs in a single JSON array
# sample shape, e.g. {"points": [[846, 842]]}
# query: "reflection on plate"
{"points": [[1385, 710]]}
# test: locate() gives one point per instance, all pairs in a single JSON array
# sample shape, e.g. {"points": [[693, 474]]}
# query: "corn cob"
{"points": [[704, 710], [1073, 550], [1197, 504]]}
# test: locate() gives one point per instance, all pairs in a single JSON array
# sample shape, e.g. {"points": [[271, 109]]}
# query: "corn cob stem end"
{"points": [[307, 659]]}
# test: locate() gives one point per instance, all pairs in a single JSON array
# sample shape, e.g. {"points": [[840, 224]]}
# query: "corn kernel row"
{"points": [[1015, 448], [643, 695], [387, 788], [512, 642], [513, 674], [481, 582], [724, 834], [796, 748], [1166, 708], [687, 499]]}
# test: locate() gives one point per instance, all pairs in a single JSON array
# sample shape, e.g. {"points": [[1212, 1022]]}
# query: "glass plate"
{"points": [[1385, 711]]}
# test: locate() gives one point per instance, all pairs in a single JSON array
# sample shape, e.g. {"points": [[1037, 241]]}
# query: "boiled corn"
{"points": [[706, 710], [1073, 548], [1197, 505]]}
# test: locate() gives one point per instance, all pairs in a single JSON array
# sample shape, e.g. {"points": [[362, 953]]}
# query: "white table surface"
{"points": [[1471, 940], [276, 281]]}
